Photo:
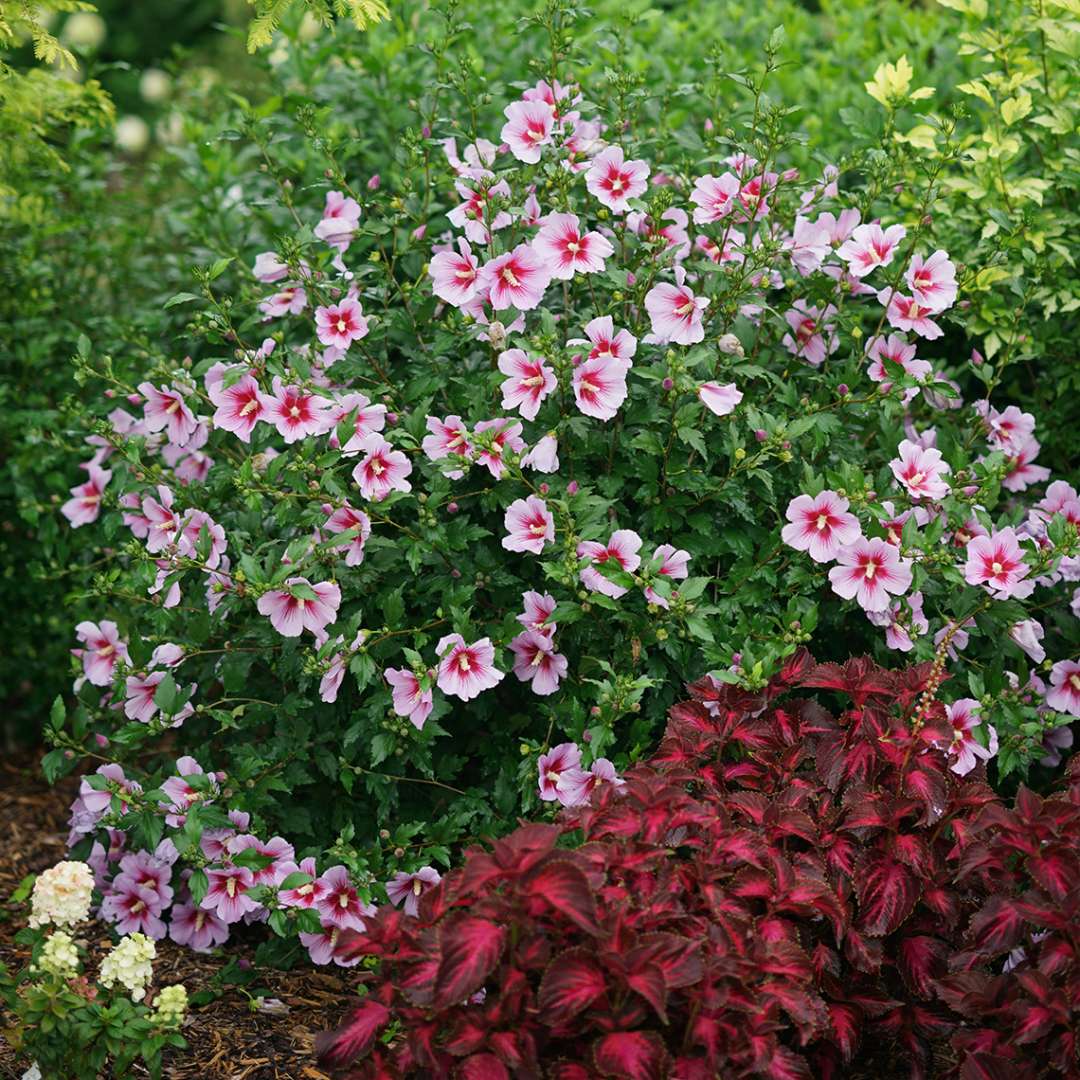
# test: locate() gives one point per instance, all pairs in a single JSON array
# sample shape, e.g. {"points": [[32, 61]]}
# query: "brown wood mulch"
{"points": [[226, 1040]]}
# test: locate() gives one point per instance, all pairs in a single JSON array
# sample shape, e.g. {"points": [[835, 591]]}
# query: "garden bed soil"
{"points": [[225, 1038]]}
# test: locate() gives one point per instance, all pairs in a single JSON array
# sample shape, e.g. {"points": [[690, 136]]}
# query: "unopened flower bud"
{"points": [[101, 740], [374, 182], [572, 488], [496, 334], [977, 357], [668, 383], [452, 508], [843, 389], [391, 417], [544, 489], [761, 435]]}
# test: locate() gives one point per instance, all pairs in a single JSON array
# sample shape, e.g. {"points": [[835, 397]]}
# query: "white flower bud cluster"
{"points": [[62, 895], [59, 956], [170, 1006], [130, 964]]}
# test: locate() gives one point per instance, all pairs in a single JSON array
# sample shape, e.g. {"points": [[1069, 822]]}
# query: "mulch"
{"points": [[226, 1040]]}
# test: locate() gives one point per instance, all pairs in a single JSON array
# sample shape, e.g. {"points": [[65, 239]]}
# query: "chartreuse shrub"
{"points": [[449, 467], [784, 890]]}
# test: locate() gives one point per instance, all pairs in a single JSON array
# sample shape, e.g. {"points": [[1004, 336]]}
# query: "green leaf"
{"points": [[165, 695], [181, 298]]}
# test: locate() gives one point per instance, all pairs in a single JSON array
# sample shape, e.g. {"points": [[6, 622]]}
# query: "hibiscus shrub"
{"points": [[484, 457], [783, 890]]}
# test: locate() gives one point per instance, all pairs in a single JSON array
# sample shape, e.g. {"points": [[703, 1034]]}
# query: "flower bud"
{"points": [[572, 488], [374, 182], [843, 390], [452, 508], [544, 489], [730, 345], [761, 435], [668, 383]]}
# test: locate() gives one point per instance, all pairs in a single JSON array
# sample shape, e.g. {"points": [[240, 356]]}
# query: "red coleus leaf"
{"points": [[560, 883], [355, 1037], [992, 1067], [998, 926], [483, 1067], [572, 982], [785, 1064], [920, 959], [648, 981], [678, 958], [631, 1055], [846, 1023], [928, 783], [470, 948], [1055, 868], [887, 892]]}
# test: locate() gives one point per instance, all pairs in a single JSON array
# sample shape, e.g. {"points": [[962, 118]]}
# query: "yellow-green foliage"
{"points": [[269, 13]]}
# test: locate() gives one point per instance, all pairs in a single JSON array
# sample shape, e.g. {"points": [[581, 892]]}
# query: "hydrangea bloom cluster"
{"points": [[62, 895], [131, 964], [59, 955]]}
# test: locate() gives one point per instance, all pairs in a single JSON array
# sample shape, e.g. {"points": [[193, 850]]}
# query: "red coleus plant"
{"points": [[781, 892]]}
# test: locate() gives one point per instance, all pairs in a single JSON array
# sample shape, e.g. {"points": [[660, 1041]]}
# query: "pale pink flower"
{"points": [[529, 525], [714, 197], [368, 419], [869, 247], [226, 893], [341, 217], [557, 762], [239, 406], [102, 649], [903, 622], [139, 691], [529, 381], [330, 944], [448, 436], [675, 312], [868, 571], [920, 471], [732, 252], [340, 906], [85, 503], [537, 662], [1009, 429], [408, 888], [1022, 473], [346, 519], [964, 746], [477, 155], [906, 313], [569, 251], [411, 700], [269, 268], [307, 895], [341, 324], [809, 246], [1060, 498], [290, 301], [932, 281], [575, 787], [719, 399], [606, 341], [166, 410], [382, 470], [301, 606], [330, 683], [820, 525], [196, 928], [896, 349], [839, 227], [539, 608], [997, 562], [674, 564], [277, 849], [162, 521], [182, 796], [454, 274], [134, 907], [528, 127], [295, 413], [517, 279], [1028, 634], [1064, 693], [600, 386], [614, 181], [475, 216], [544, 456], [507, 435], [623, 548], [814, 334], [466, 670]]}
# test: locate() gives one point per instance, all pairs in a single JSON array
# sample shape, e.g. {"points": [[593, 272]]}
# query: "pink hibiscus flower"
{"points": [[868, 571], [675, 312], [529, 525], [600, 386], [411, 700], [295, 413], [623, 548], [466, 670], [528, 126], [964, 746], [920, 470], [714, 197], [269, 268], [1064, 693], [507, 434], [869, 247], [290, 301], [382, 470], [997, 562], [448, 436], [576, 786], [604, 340], [454, 274], [932, 281], [810, 244], [340, 906], [1028, 635], [341, 324], [820, 525], [544, 456], [226, 893], [559, 761], [1022, 470], [895, 349], [567, 250], [85, 503], [614, 180], [346, 519], [528, 382], [537, 662], [102, 649], [517, 279], [166, 410], [239, 406], [903, 622], [196, 928], [539, 607], [906, 313], [367, 419], [310, 893], [340, 219], [408, 888], [674, 564], [718, 399], [301, 606], [814, 335]]}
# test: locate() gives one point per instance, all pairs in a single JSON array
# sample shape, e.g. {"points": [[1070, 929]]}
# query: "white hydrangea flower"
{"points": [[59, 956], [62, 895], [130, 964], [170, 1006]]}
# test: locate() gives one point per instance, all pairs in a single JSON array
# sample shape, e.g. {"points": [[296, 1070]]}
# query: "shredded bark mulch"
{"points": [[226, 1039]]}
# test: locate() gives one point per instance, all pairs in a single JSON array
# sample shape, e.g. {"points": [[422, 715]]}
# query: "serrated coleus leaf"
{"points": [[483, 1067], [887, 892], [356, 1036], [631, 1055], [572, 982], [562, 885], [470, 948]]}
